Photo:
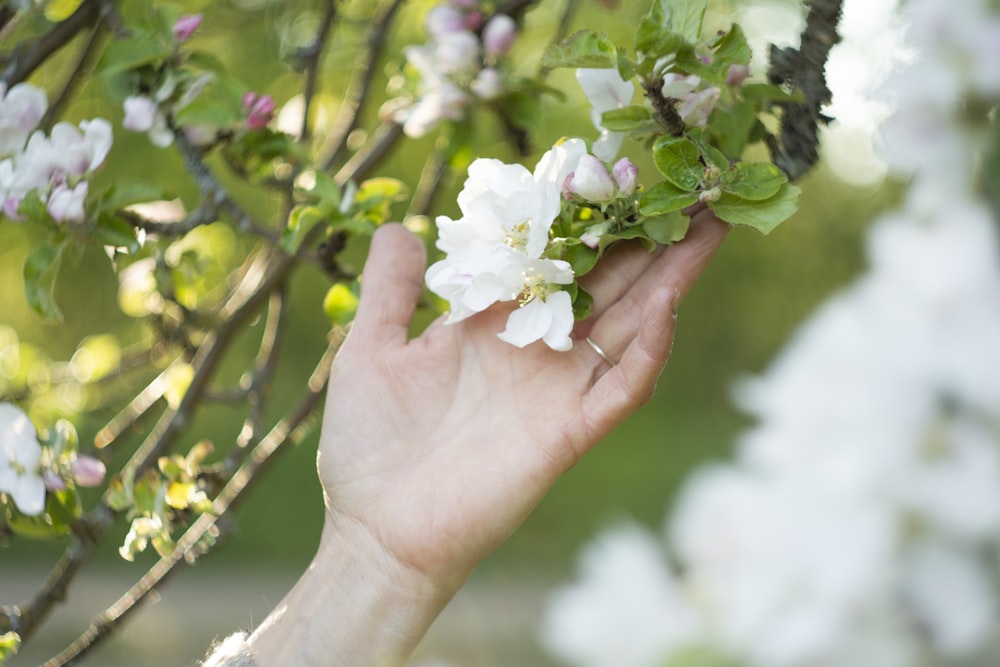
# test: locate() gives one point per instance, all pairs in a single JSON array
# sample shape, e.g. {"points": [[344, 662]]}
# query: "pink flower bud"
{"points": [[140, 113], [53, 482], [626, 175], [10, 206], [591, 239], [591, 180], [697, 107], [185, 26], [488, 84], [737, 75], [499, 34], [260, 110], [87, 471], [66, 205], [474, 19]]}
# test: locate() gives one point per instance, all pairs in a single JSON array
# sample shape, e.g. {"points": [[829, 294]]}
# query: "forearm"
{"points": [[354, 605]]}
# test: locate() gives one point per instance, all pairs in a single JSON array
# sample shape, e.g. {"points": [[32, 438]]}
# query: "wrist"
{"points": [[356, 604]]}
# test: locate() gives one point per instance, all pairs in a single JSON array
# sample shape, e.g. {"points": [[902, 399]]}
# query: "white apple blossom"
{"points": [[605, 90], [591, 181], [20, 456], [21, 109], [67, 204], [140, 113], [495, 250], [499, 34]]}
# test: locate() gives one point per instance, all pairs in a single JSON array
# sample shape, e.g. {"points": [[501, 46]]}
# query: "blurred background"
{"points": [[738, 316]]}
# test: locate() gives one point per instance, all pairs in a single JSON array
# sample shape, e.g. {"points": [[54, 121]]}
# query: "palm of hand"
{"points": [[439, 447]]}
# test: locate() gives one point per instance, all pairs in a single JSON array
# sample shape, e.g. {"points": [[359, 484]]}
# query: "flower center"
{"points": [[535, 287], [517, 236]]}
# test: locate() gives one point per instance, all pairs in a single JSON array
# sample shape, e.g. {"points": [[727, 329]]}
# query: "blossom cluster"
{"points": [[503, 246], [54, 167], [27, 469], [856, 524], [457, 65]]}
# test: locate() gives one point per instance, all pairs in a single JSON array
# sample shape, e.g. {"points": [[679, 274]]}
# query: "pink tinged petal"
{"points": [[737, 74], [53, 482], [87, 471], [591, 180], [66, 205], [488, 84], [21, 109], [97, 138], [443, 20], [186, 26], [678, 85], [499, 35], [140, 113], [626, 176], [696, 107], [527, 324]]}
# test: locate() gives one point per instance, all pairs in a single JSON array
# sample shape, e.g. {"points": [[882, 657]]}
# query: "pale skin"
{"points": [[435, 449]]}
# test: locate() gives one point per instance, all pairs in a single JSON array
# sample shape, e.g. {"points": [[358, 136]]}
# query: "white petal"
{"points": [[561, 307], [527, 324]]}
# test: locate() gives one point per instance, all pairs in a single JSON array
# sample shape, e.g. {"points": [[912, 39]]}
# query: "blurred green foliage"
{"points": [[735, 320]]}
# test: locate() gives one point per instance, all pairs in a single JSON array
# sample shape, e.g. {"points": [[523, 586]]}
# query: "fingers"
{"points": [[631, 382], [614, 325], [390, 286]]}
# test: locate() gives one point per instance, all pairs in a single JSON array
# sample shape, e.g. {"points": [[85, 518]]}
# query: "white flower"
{"points": [[457, 52], [488, 84], [695, 108], [140, 113], [591, 181], [605, 90], [66, 204], [442, 20], [21, 109], [545, 313], [20, 455], [679, 86], [627, 609]]}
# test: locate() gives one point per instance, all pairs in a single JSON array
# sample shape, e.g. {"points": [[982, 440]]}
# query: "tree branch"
{"points": [[310, 58], [191, 544], [803, 68], [359, 166], [27, 57], [357, 97]]}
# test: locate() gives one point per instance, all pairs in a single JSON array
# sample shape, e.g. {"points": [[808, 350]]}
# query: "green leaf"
{"points": [[585, 48], [143, 48], [754, 181], [686, 17], [217, 105], [31, 527], [761, 215], [665, 198], [583, 304], [582, 258], [732, 126], [40, 270], [625, 119], [666, 229], [655, 36], [679, 160], [300, 223], [63, 508], [733, 49], [121, 195], [764, 94], [114, 232], [626, 66]]}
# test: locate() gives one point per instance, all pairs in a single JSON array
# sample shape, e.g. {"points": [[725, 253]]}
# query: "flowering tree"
{"points": [[858, 523], [681, 92]]}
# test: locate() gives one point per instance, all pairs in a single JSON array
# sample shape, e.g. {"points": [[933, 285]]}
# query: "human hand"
{"points": [[439, 447]]}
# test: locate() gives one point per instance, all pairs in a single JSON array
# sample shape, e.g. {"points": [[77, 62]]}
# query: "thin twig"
{"points": [[357, 97], [27, 57], [83, 64], [191, 544], [311, 56], [359, 166], [431, 178]]}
